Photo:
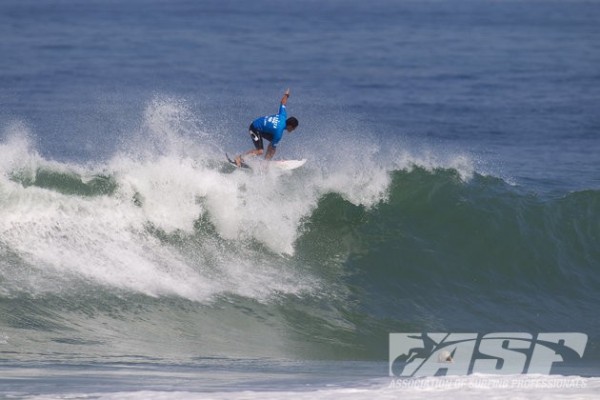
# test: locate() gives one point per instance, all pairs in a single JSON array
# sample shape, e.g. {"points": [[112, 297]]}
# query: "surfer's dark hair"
{"points": [[291, 121]]}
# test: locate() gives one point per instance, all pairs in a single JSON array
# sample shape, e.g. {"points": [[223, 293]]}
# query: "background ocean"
{"points": [[452, 185]]}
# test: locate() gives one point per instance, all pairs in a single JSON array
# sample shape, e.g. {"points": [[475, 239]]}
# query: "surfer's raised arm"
{"points": [[285, 97]]}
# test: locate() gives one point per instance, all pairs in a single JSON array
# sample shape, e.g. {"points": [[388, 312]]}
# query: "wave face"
{"points": [[165, 251]]}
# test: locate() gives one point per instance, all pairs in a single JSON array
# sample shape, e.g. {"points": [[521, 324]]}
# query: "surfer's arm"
{"points": [[285, 97], [270, 152]]}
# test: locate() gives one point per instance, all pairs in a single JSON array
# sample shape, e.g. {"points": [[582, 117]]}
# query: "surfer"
{"points": [[270, 128]]}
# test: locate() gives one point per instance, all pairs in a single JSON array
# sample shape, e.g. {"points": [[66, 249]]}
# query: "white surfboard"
{"points": [[284, 165], [287, 164]]}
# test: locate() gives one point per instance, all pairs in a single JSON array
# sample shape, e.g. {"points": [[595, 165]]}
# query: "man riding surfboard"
{"points": [[271, 128]]}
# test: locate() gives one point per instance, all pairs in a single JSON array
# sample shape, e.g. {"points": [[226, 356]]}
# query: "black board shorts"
{"points": [[257, 137]]}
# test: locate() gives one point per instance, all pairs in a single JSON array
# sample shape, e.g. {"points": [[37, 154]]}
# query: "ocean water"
{"points": [[452, 185]]}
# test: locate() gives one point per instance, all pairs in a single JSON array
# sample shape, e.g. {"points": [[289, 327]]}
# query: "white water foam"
{"points": [[463, 388], [169, 174]]}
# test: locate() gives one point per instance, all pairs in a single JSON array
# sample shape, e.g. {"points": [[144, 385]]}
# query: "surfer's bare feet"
{"points": [[238, 161]]}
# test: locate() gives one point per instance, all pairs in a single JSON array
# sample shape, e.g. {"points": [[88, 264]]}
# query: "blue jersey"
{"points": [[273, 124]]}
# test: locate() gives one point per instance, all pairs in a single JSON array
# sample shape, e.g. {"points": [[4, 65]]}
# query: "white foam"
{"points": [[17, 151], [105, 239], [168, 177], [464, 388]]}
